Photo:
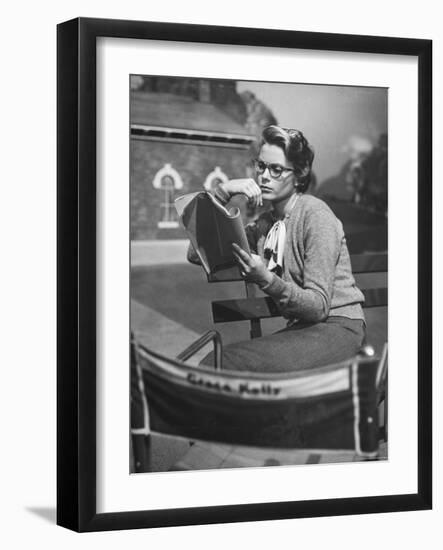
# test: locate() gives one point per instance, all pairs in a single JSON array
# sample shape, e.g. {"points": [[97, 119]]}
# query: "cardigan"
{"points": [[316, 281]]}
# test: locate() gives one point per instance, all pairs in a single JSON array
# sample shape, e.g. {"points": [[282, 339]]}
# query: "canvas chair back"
{"points": [[332, 407]]}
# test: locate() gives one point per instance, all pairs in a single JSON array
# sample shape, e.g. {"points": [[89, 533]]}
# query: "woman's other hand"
{"points": [[251, 266], [244, 186]]}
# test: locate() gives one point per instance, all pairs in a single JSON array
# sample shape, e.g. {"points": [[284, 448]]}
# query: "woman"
{"points": [[300, 259]]}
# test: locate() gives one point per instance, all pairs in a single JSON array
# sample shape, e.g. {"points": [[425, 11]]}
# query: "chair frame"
{"points": [[253, 308]]}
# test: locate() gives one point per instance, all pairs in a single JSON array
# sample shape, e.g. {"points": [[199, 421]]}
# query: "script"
{"points": [[212, 229]]}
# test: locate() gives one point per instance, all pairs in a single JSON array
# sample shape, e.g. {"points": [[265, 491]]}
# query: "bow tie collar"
{"points": [[275, 242]]}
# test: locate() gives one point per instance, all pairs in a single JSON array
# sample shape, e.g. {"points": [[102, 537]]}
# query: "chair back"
{"points": [[332, 407]]}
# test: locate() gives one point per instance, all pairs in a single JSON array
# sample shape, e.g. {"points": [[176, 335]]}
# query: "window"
{"points": [[167, 180], [214, 178]]}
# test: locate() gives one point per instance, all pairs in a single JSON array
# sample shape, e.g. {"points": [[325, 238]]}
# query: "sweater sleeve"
{"points": [[311, 300]]}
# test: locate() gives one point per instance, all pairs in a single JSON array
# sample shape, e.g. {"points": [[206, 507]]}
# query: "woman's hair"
{"points": [[296, 149]]}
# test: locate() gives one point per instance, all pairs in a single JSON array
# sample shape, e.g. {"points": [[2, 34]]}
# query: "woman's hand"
{"points": [[251, 266], [244, 186]]}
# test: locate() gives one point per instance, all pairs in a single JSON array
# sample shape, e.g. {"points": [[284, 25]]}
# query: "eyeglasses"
{"points": [[275, 170]]}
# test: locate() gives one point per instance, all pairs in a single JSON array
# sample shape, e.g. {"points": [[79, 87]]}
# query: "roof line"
{"points": [[183, 133]]}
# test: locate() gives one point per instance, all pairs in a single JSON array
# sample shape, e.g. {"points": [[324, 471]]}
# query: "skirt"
{"points": [[298, 347]]}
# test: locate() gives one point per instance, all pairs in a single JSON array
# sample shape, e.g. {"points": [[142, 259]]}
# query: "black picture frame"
{"points": [[76, 265]]}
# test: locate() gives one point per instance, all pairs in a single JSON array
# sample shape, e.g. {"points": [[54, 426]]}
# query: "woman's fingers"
{"points": [[255, 193], [241, 253], [240, 260], [244, 186], [258, 193], [251, 266], [252, 192], [244, 268], [259, 201]]}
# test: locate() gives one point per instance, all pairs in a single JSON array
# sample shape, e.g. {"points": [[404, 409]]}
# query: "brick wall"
{"points": [[192, 162]]}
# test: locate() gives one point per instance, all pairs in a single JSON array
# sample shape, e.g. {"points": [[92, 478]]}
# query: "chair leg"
{"points": [[381, 411], [255, 324], [255, 331], [139, 448]]}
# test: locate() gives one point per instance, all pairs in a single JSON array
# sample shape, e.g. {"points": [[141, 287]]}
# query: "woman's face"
{"points": [[275, 189]]}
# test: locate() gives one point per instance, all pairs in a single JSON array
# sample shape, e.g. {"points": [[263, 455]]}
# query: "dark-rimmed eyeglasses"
{"points": [[275, 170]]}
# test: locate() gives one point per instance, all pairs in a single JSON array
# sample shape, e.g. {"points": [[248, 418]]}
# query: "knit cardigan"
{"points": [[317, 280]]}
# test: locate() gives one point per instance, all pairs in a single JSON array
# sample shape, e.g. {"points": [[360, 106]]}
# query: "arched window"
{"points": [[214, 178], [167, 180]]}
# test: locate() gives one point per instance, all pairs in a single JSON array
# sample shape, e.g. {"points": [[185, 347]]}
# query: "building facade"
{"points": [[186, 135]]}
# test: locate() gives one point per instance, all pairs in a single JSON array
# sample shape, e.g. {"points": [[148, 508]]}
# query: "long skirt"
{"points": [[300, 346]]}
